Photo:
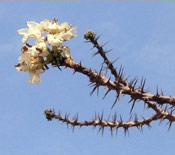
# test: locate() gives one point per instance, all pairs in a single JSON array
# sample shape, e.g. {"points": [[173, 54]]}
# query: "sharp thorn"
{"points": [[114, 103], [106, 93], [132, 106]]}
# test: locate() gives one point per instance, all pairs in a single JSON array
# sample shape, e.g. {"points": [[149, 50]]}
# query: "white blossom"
{"points": [[42, 46], [54, 39], [50, 26], [33, 51], [64, 27], [69, 34], [35, 76], [59, 38], [46, 33], [34, 31]]}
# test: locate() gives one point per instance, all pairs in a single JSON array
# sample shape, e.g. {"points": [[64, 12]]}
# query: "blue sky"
{"points": [[142, 34]]}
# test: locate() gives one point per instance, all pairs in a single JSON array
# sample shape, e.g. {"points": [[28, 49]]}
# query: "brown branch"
{"points": [[114, 124], [121, 86], [164, 114], [134, 93]]}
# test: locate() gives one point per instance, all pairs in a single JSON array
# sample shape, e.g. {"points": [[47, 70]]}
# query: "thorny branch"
{"points": [[162, 105]]}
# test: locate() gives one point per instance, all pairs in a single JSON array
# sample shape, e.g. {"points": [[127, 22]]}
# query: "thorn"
{"points": [[101, 129], [157, 91], [166, 107], [121, 70], [114, 103], [130, 100], [126, 131], [107, 51], [59, 113], [91, 84], [98, 90], [141, 81], [142, 89], [106, 93], [115, 60], [160, 121], [115, 118], [119, 94], [98, 117], [170, 123], [130, 118], [95, 116], [104, 44], [121, 121], [138, 128], [143, 118], [93, 90], [76, 119], [95, 54], [135, 82], [126, 79], [111, 130], [73, 127], [59, 68], [101, 118], [93, 127], [92, 48], [149, 126], [141, 128], [132, 106], [96, 38], [100, 70], [80, 64], [131, 82], [74, 72], [162, 92]]}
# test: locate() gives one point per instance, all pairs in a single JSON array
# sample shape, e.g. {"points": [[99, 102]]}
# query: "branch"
{"points": [[121, 86], [98, 121], [134, 93]]}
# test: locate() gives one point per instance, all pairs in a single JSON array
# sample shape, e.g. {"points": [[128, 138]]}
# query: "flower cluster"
{"points": [[34, 58]]}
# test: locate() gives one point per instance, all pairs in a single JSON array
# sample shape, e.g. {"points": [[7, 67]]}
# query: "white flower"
{"points": [[33, 51], [30, 64], [64, 27], [32, 59], [69, 34], [23, 62], [42, 46], [35, 76], [23, 58], [22, 67], [59, 38], [66, 51], [54, 40], [34, 31], [50, 26]]}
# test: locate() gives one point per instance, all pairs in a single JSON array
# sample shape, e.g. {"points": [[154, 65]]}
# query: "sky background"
{"points": [[142, 34]]}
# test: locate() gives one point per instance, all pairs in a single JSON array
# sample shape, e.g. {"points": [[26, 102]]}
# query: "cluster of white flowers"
{"points": [[46, 33]]}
